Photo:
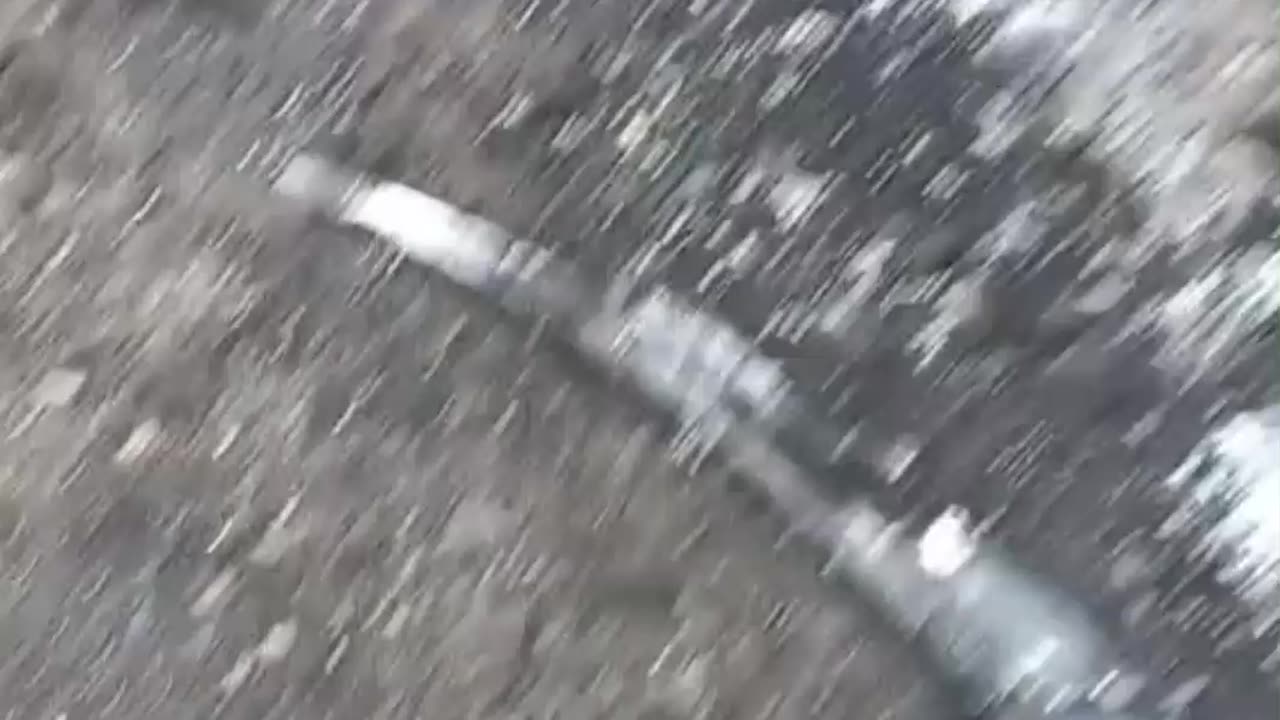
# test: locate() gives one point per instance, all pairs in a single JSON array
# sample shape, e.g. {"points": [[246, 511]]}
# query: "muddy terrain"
{"points": [[252, 466]]}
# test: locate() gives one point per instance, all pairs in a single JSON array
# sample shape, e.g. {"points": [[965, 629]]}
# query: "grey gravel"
{"points": [[475, 524], [58, 387], [278, 642], [293, 371]]}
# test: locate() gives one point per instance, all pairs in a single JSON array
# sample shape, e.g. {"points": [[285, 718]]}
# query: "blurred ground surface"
{"points": [[251, 467]]}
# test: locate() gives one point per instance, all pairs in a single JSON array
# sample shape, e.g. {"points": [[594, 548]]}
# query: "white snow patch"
{"points": [[1000, 123], [808, 32], [1164, 91], [636, 131], [1046, 17], [795, 195], [782, 87], [1209, 317], [429, 230], [861, 276], [1163, 95], [698, 357], [1236, 471], [1103, 294], [947, 545], [946, 184], [1017, 234], [966, 10], [962, 301]]}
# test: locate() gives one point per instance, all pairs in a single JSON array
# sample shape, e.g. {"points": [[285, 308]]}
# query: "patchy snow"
{"points": [[861, 277], [429, 230], [1164, 96], [1232, 482], [636, 131], [700, 357], [1016, 235], [959, 304], [808, 32], [1164, 91], [795, 196], [947, 544], [1000, 122], [1213, 314]]}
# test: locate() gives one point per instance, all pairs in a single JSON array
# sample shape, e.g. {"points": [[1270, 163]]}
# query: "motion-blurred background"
{"points": [[253, 467]]}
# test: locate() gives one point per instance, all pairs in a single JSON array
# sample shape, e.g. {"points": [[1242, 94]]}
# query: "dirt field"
{"points": [[251, 467]]}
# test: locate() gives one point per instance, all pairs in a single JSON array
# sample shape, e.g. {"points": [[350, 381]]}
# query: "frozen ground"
{"points": [[250, 467]]}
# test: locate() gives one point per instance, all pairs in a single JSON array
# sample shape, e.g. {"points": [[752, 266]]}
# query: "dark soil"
{"points": [[252, 467]]}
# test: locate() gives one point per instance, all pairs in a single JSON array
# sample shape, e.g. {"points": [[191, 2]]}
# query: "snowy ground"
{"points": [[250, 467]]}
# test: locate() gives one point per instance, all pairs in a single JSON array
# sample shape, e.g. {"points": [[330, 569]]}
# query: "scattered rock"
{"points": [[226, 441], [59, 387], [272, 547], [337, 651], [795, 196], [808, 32], [138, 442], [495, 629], [395, 625], [1140, 609], [141, 623], [1128, 569], [279, 537], [1103, 295], [682, 692], [239, 673], [899, 458], [197, 647], [947, 544], [278, 641], [698, 182], [1185, 694], [515, 112], [477, 523], [26, 184], [1120, 692], [214, 593], [490, 646]]}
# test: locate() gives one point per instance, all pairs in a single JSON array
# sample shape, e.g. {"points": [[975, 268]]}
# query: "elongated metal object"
{"points": [[1008, 642]]}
